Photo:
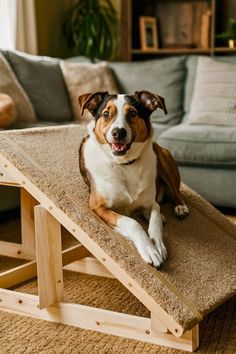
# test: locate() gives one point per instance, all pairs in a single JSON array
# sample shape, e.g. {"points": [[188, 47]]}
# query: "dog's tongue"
{"points": [[118, 147]]}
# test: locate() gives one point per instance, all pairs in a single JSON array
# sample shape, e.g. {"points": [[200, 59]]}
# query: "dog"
{"points": [[127, 171]]}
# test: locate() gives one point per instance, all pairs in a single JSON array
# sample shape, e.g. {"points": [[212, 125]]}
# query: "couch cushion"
{"points": [[201, 145], [191, 65], [158, 129], [162, 76], [83, 78], [10, 85], [216, 184], [214, 95], [42, 80]]}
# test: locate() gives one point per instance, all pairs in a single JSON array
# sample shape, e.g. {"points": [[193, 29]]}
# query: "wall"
{"points": [[50, 16]]}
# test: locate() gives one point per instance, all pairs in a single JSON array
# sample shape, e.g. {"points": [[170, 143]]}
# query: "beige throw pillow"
{"points": [[83, 78], [10, 86], [214, 96]]}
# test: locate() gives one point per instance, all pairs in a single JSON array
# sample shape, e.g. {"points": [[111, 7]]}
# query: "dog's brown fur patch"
{"points": [[103, 124], [138, 126], [98, 205]]}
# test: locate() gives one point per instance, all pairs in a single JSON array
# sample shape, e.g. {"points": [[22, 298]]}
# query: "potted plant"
{"points": [[230, 33], [92, 28]]}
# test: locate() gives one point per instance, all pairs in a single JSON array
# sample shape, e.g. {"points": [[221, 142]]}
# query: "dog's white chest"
{"points": [[126, 187]]}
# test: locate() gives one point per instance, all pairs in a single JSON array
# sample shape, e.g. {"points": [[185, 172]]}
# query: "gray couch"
{"points": [[206, 155]]}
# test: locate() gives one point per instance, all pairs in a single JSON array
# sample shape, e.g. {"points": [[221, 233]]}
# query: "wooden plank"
{"points": [[164, 51], [28, 271], [6, 179], [119, 324], [15, 250], [156, 325], [91, 266], [18, 274], [27, 222], [49, 258], [213, 26], [126, 30], [73, 254], [108, 262]]}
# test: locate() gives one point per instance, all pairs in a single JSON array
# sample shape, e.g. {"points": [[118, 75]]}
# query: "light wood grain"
{"points": [[27, 222], [100, 320], [89, 265], [28, 271], [48, 256]]}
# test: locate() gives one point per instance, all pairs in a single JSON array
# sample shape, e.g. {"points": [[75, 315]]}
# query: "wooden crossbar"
{"points": [[110, 322], [28, 270]]}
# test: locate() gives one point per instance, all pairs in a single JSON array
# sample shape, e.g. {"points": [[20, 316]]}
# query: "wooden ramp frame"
{"points": [[40, 244]]}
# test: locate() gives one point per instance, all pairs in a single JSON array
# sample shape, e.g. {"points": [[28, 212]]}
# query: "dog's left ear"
{"points": [[90, 101], [151, 101]]}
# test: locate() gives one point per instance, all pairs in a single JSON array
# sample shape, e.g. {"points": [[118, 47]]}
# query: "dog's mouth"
{"points": [[119, 149]]}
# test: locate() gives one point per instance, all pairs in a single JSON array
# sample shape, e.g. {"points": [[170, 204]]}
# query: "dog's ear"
{"points": [[151, 101], [90, 101]]}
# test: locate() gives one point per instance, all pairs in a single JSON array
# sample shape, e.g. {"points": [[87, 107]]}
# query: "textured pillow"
{"points": [[83, 78], [9, 85], [191, 66], [7, 110], [163, 76], [214, 96], [42, 80]]}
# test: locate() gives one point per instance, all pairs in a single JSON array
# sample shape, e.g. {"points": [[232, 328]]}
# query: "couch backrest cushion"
{"points": [[191, 65], [163, 76], [214, 95], [84, 78], [43, 82], [10, 85]]}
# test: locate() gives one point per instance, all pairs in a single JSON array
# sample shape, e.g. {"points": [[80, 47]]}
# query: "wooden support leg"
{"points": [[49, 259], [27, 223], [156, 325]]}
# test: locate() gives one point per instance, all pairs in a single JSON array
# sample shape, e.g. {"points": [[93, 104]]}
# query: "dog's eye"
{"points": [[132, 113], [106, 114]]}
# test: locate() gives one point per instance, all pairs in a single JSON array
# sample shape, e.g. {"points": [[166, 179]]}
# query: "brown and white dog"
{"points": [[126, 170]]}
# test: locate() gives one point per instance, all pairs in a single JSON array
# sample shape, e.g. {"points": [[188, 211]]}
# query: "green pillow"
{"points": [[162, 76], [42, 80]]}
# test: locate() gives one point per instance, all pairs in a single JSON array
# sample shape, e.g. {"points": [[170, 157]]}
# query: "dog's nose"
{"points": [[119, 133]]}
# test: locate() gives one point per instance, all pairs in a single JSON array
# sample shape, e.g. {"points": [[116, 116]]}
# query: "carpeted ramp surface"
{"points": [[200, 272]]}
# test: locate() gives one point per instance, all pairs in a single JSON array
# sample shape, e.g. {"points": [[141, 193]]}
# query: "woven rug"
{"points": [[20, 334]]}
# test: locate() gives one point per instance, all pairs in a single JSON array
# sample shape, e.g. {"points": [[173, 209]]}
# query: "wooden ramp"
{"points": [[199, 275]]}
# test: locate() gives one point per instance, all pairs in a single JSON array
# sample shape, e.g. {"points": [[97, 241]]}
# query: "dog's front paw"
{"points": [[152, 254], [161, 248], [181, 211]]}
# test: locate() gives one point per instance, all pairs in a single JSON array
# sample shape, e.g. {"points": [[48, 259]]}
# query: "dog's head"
{"points": [[121, 120]]}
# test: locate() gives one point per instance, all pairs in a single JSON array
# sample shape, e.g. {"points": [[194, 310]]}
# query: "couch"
{"points": [[206, 154]]}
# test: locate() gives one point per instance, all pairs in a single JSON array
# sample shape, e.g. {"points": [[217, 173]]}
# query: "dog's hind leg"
{"points": [[169, 173]]}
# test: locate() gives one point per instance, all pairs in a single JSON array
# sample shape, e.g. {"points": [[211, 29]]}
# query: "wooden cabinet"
{"points": [[183, 26]]}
